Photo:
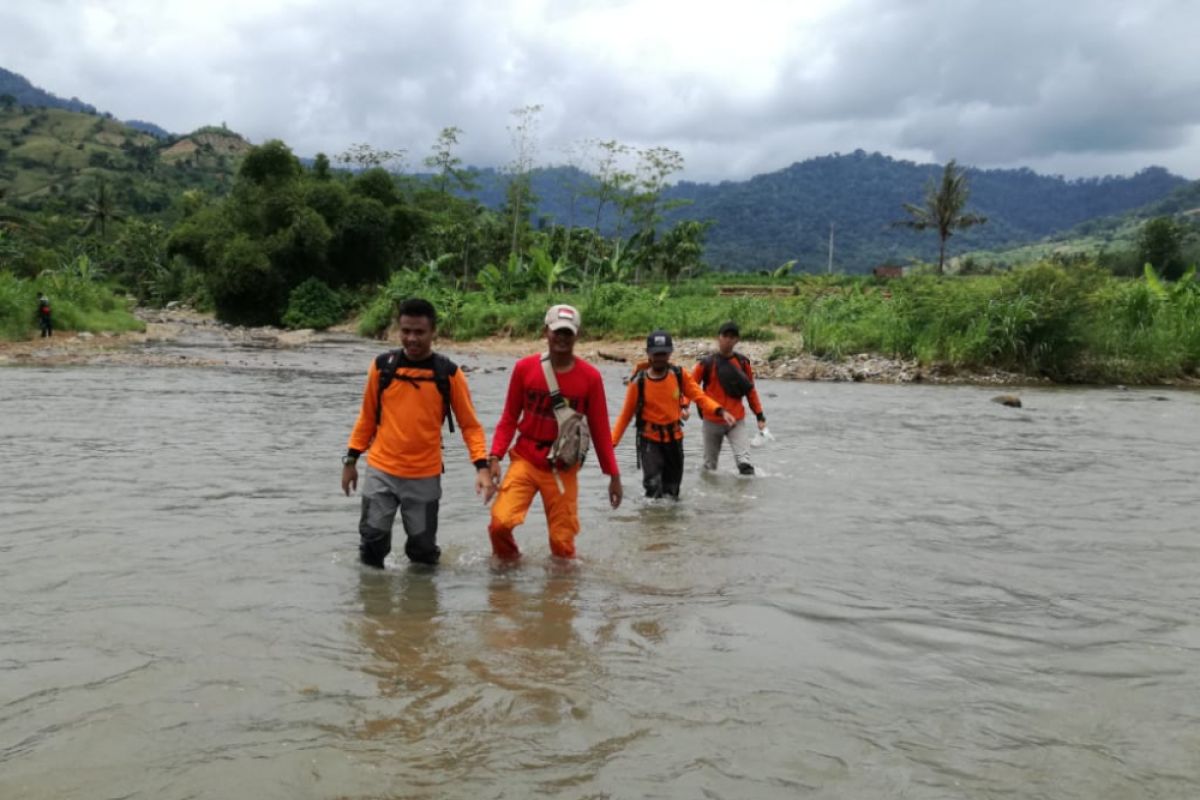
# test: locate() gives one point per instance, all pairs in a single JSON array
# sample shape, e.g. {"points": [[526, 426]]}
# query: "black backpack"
{"points": [[736, 382], [387, 364]]}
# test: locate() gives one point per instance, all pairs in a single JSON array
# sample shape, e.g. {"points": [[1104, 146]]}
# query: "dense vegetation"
{"points": [[101, 217]]}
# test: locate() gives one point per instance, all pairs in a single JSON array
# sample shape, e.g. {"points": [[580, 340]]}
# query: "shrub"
{"points": [[313, 304]]}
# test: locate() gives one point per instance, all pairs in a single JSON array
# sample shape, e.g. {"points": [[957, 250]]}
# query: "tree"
{"points": [[321, 167], [100, 210], [943, 209], [1160, 243], [363, 156], [524, 140], [270, 163], [447, 163]]}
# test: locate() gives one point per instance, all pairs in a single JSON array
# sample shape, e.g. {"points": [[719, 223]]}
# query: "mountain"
{"points": [[51, 149], [25, 93], [53, 158], [773, 218]]}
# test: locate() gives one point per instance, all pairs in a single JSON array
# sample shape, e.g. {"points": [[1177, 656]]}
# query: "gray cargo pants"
{"points": [[739, 441], [417, 501]]}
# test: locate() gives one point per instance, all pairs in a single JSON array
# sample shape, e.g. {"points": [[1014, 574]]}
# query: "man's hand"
{"points": [[729, 419], [494, 470], [485, 484], [349, 478], [762, 424], [685, 412], [615, 492]]}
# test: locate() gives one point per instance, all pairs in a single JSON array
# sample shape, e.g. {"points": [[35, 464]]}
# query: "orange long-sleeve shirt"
{"points": [[661, 405], [408, 440], [717, 392]]}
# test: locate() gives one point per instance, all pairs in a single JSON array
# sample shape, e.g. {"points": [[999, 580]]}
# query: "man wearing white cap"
{"points": [[529, 414]]}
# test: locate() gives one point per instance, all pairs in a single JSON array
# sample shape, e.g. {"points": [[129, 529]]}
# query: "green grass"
{"points": [[1072, 325], [78, 305]]}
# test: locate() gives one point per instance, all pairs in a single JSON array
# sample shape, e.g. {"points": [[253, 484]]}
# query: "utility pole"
{"points": [[829, 268]]}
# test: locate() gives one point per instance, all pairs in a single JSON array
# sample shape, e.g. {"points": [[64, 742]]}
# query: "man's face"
{"points": [[561, 341], [726, 342], [416, 336], [659, 361]]}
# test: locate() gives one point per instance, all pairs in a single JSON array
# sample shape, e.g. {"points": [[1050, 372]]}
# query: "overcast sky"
{"points": [[739, 87]]}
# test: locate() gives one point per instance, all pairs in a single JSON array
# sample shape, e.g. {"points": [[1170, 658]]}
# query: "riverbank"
{"points": [[790, 362]]}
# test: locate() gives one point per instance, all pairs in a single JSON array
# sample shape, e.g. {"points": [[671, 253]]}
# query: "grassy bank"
{"points": [[78, 302], [1074, 324]]}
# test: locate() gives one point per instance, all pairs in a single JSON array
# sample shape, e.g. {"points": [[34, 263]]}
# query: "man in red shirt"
{"points": [[529, 414]]}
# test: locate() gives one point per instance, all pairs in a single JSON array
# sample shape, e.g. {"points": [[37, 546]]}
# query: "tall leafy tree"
{"points": [[1160, 244], [942, 210], [523, 132], [447, 164]]}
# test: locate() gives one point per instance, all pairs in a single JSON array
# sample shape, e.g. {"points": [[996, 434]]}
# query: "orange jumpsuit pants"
{"points": [[522, 481]]}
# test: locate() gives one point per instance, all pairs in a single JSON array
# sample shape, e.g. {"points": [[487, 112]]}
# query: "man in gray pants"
{"points": [[728, 378], [409, 394]]}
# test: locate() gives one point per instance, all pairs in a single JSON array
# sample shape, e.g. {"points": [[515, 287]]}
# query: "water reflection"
{"points": [[401, 627]]}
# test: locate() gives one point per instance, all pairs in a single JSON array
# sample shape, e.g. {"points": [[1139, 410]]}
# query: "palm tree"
{"points": [[943, 209], [100, 211]]}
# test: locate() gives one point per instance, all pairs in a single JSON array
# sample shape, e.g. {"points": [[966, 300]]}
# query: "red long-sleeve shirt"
{"points": [[529, 415]]}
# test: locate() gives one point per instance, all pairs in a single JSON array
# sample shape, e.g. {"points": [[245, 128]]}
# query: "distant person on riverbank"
{"points": [[43, 311], [410, 392], [728, 378], [656, 401], [555, 404]]}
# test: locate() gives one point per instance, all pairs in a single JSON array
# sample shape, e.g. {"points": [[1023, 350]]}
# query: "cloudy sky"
{"points": [[1071, 87]]}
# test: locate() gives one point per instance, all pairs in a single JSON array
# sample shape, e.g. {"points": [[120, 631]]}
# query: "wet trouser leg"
{"points": [[521, 482], [653, 460], [417, 500], [739, 441], [662, 468], [672, 474], [714, 435]]}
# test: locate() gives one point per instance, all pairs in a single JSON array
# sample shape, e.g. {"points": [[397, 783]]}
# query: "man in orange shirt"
{"points": [[728, 378], [409, 394], [656, 402]]}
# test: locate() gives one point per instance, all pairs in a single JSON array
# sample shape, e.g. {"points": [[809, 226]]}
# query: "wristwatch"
{"points": [[349, 461]]}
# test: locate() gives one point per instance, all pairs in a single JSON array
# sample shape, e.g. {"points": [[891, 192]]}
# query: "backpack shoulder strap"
{"points": [[385, 365], [443, 370], [640, 377], [706, 377]]}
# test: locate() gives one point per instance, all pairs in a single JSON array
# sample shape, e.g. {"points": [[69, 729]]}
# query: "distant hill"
{"points": [[51, 157], [51, 150], [1110, 234], [769, 219], [26, 94]]}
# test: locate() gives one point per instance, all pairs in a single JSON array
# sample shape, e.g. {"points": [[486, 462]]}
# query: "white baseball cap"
{"points": [[563, 316]]}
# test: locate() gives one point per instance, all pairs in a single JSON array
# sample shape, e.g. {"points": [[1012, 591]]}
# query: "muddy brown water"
{"points": [[923, 595]]}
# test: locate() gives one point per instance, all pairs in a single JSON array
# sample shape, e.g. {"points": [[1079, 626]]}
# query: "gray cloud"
{"points": [[1080, 89]]}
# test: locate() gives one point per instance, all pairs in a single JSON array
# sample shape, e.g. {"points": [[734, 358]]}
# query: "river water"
{"points": [[923, 595]]}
